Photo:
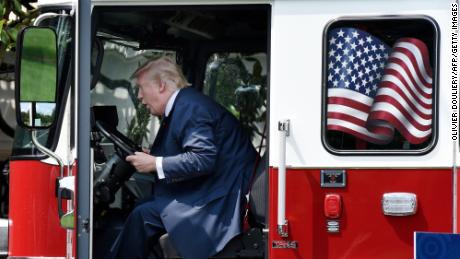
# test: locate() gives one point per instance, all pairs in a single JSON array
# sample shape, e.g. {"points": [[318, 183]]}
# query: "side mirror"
{"points": [[36, 78]]}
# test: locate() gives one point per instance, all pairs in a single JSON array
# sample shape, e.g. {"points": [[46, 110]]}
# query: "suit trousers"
{"points": [[141, 231]]}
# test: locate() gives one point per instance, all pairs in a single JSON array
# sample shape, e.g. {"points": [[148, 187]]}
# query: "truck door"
{"points": [[359, 104], [34, 212]]}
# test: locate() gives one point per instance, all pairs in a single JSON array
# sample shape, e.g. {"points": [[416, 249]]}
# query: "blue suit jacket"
{"points": [[207, 162]]}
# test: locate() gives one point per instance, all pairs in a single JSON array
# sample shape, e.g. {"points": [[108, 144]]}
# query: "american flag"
{"points": [[374, 89]]}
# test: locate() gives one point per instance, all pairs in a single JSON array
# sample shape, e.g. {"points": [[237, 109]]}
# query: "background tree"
{"points": [[16, 14]]}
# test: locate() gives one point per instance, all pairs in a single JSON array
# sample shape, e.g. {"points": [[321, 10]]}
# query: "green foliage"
{"points": [[137, 127], [15, 15], [236, 82]]}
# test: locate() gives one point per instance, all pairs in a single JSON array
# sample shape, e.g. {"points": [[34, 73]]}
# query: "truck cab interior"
{"points": [[223, 51]]}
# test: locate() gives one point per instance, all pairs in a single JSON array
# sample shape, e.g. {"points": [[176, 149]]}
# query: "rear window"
{"points": [[238, 82], [380, 84]]}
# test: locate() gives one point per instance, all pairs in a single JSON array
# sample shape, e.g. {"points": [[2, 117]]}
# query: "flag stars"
{"points": [[366, 50], [339, 45], [368, 90], [352, 58], [374, 67], [353, 78], [340, 33], [332, 40], [337, 70], [335, 83], [355, 34], [331, 53], [371, 78], [353, 46], [338, 57], [371, 58], [355, 61]]}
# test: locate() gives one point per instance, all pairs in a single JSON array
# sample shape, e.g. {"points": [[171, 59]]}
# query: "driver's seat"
{"points": [[250, 244]]}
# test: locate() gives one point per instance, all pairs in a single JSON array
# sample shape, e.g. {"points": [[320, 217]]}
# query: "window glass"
{"points": [[114, 87], [238, 82], [380, 80]]}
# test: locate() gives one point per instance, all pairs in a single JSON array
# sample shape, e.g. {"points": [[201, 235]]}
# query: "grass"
{"points": [[38, 81]]}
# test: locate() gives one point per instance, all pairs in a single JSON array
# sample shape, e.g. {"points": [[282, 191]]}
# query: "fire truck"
{"points": [[352, 106]]}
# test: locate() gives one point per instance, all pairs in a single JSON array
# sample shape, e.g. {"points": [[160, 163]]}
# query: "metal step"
{"points": [[3, 237]]}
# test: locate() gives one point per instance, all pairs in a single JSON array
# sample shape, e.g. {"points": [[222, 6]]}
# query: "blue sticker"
{"points": [[436, 245]]}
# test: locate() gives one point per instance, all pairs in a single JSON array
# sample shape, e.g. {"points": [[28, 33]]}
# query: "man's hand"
{"points": [[143, 162]]}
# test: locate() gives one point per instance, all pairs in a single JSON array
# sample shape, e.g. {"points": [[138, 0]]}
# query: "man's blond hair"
{"points": [[163, 68]]}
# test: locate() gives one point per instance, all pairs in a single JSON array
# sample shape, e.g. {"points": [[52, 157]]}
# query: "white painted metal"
{"points": [[296, 80]]}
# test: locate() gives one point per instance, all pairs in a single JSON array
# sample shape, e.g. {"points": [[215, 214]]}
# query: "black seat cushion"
{"points": [[258, 194]]}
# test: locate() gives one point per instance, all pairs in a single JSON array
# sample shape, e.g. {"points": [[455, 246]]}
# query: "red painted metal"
{"points": [[34, 228], [364, 231]]}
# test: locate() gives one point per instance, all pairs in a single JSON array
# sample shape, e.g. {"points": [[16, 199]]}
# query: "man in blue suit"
{"points": [[202, 160]]}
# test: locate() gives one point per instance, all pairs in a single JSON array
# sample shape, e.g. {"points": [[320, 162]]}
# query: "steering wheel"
{"points": [[123, 145]]}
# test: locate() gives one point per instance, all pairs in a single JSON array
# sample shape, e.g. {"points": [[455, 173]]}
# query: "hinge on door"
{"points": [[85, 225], [284, 126]]}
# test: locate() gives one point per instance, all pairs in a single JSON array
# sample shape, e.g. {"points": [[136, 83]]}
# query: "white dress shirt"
{"points": [[159, 159]]}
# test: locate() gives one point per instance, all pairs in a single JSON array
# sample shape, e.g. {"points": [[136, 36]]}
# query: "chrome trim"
{"points": [[333, 226], [398, 198], [4, 237], [283, 128], [45, 16], [48, 152]]}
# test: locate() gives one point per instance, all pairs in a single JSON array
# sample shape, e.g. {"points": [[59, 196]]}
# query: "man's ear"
{"points": [[162, 86]]}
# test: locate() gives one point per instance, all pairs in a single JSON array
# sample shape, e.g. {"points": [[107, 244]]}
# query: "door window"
{"points": [[380, 84]]}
